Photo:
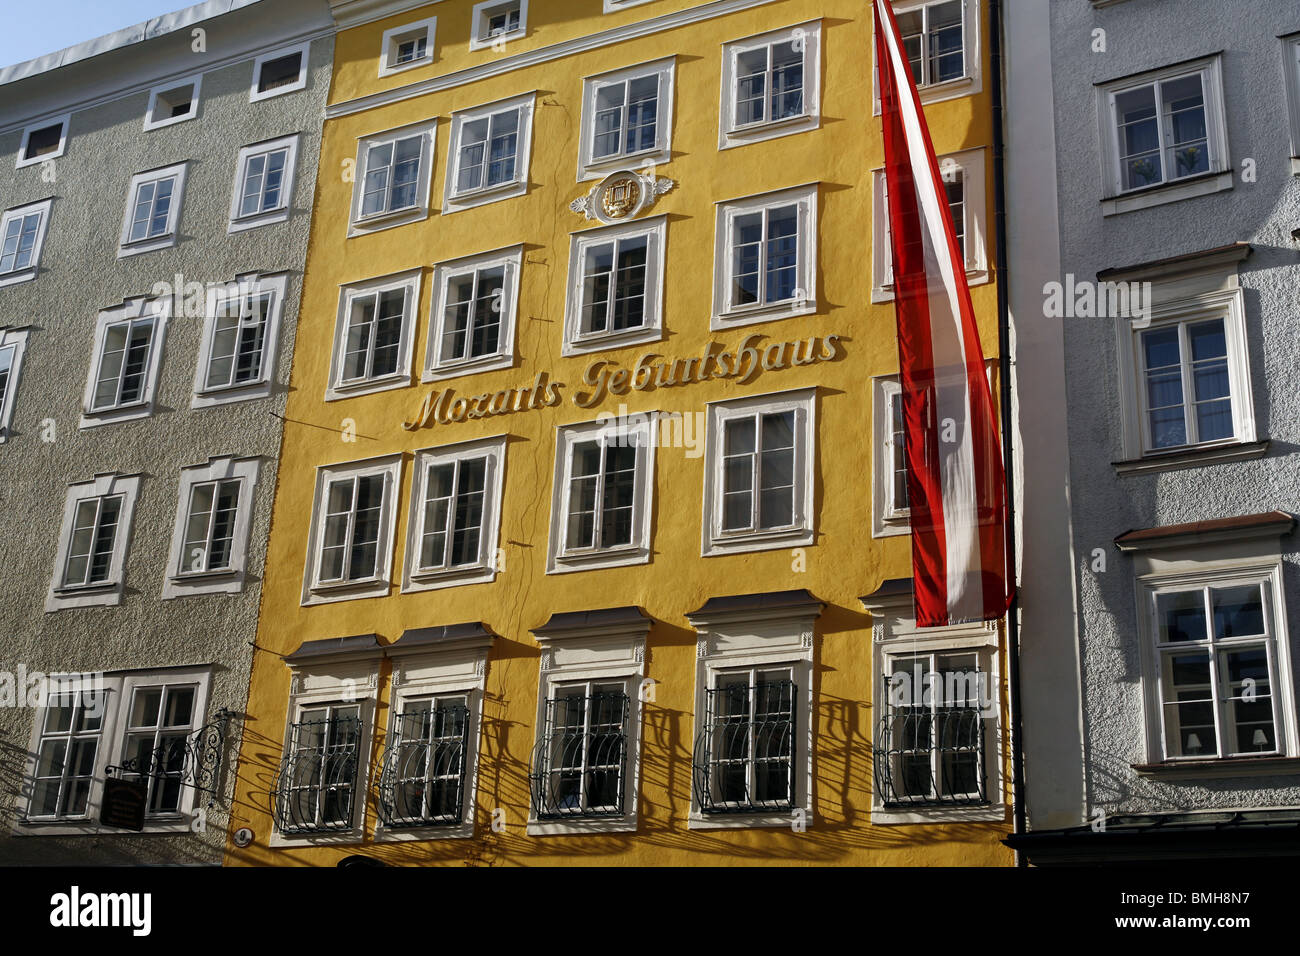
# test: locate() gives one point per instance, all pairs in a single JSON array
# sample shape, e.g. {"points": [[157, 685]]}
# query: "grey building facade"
{"points": [[1153, 200], [156, 187]]}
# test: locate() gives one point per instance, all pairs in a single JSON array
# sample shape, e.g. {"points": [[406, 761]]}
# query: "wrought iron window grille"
{"points": [[422, 782], [194, 760], [744, 756], [316, 786], [579, 764], [931, 757]]}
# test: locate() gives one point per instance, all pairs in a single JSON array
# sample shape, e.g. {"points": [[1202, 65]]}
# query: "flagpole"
{"points": [[1008, 464]]}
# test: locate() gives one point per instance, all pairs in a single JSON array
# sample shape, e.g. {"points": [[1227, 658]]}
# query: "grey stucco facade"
{"points": [[1098, 690], [49, 444]]}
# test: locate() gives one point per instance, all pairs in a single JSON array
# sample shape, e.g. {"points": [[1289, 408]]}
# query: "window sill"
{"points": [[317, 838], [891, 527], [201, 576], [484, 363], [1191, 458], [738, 318], [376, 222], [337, 393], [87, 826], [13, 278], [600, 168], [1187, 188], [1219, 767], [146, 245], [450, 578], [743, 821], [579, 826], [111, 416], [458, 831], [974, 277], [455, 202], [346, 591], [73, 590], [490, 43], [608, 558], [899, 816], [761, 132], [938, 92], [758, 541], [244, 223], [403, 67], [230, 395], [609, 341]]}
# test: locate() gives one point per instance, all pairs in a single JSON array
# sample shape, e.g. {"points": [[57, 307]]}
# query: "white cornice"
{"points": [[583, 44], [356, 13]]}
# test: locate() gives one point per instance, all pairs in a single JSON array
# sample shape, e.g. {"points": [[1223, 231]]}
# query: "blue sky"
{"points": [[36, 27]]}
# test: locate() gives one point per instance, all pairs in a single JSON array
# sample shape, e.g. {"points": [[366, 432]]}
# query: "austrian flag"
{"points": [[956, 485]]}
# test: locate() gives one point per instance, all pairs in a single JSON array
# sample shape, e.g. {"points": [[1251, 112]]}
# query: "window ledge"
{"points": [[230, 394], [606, 558], [768, 313], [198, 576], [613, 340], [898, 816], [741, 821], [1219, 767], [580, 825], [600, 168], [252, 221], [758, 541], [399, 379], [483, 363], [1187, 188], [341, 587], [152, 244], [1191, 458], [457, 202], [377, 222], [72, 590], [974, 277], [13, 278]]}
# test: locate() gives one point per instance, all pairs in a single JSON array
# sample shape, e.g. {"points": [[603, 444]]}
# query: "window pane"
{"points": [[608, 120], [1238, 611], [406, 173], [598, 266], [751, 86], [748, 240], [1164, 387], [787, 81], [1139, 138], [379, 162], [776, 471], [1210, 381], [1184, 104], [1181, 616], [642, 113], [782, 253], [945, 34], [630, 280]]}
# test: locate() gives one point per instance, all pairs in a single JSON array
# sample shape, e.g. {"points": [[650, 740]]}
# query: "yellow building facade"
{"points": [[588, 545]]}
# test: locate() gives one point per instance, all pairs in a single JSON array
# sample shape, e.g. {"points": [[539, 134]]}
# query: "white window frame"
{"points": [[606, 654], [897, 636], [132, 309], [345, 681], [106, 593], [772, 639], [1118, 199], [168, 238], [562, 560], [279, 212], [247, 288], [304, 49], [511, 261], [360, 225], [885, 519], [590, 167], [29, 271], [393, 39], [453, 668], [969, 165], [802, 402], [118, 689], [455, 200], [480, 39], [971, 84], [727, 315], [181, 579], [730, 133], [195, 82], [484, 569], [65, 120], [15, 339], [315, 591], [1207, 295], [655, 230], [410, 281], [1291, 69]]}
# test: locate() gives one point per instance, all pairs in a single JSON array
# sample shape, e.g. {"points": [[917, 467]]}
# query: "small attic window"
{"points": [[43, 141], [407, 46], [280, 72], [173, 104]]}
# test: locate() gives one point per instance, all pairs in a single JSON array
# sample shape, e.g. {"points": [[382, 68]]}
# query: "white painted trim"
{"points": [[337, 388], [169, 236], [160, 309], [34, 267], [590, 168], [885, 521], [278, 213], [419, 210], [15, 339], [304, 51], [248, 286], [388, 64], [528, 58], [729, 133], [179, 583], [107, 593], [151, 124], [65, 120], [510, 260], [652, 330], [454, 199], [971, 84], [479, 39]]}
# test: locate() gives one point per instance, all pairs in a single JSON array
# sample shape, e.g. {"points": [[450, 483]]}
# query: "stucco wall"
{"points": [[80, 275], [1142, 36]]}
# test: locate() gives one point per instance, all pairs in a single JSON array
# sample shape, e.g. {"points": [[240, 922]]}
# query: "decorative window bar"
{"points": [[744, 755], [931, 756], [423, 778], [315, 789], [579, 764]]}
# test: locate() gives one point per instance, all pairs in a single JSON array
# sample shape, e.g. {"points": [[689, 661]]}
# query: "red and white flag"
{"points": [[955, 481]]}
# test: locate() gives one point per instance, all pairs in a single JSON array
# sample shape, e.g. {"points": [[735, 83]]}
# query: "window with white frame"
{"points": [[43, 141], [408, 46], [627, 118], [351, 543], [616, 276], [890, 509], [173, 103], [214, 512], [604, 481], [752, 763], [1185, 381], [490, 149], [141, 726], [474, 312], [759, 474], [263, 183], [766, 248], [89, 567], [22, 234], [240, 336], [372, 341], [455, 515], [279, 72], [1163, 128], [941, 40], [394, 170], [497, 22], [771, 85], [124, 362], [153, 207], [13, 344], [937, 740], [585, 767], [963, 184]]}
